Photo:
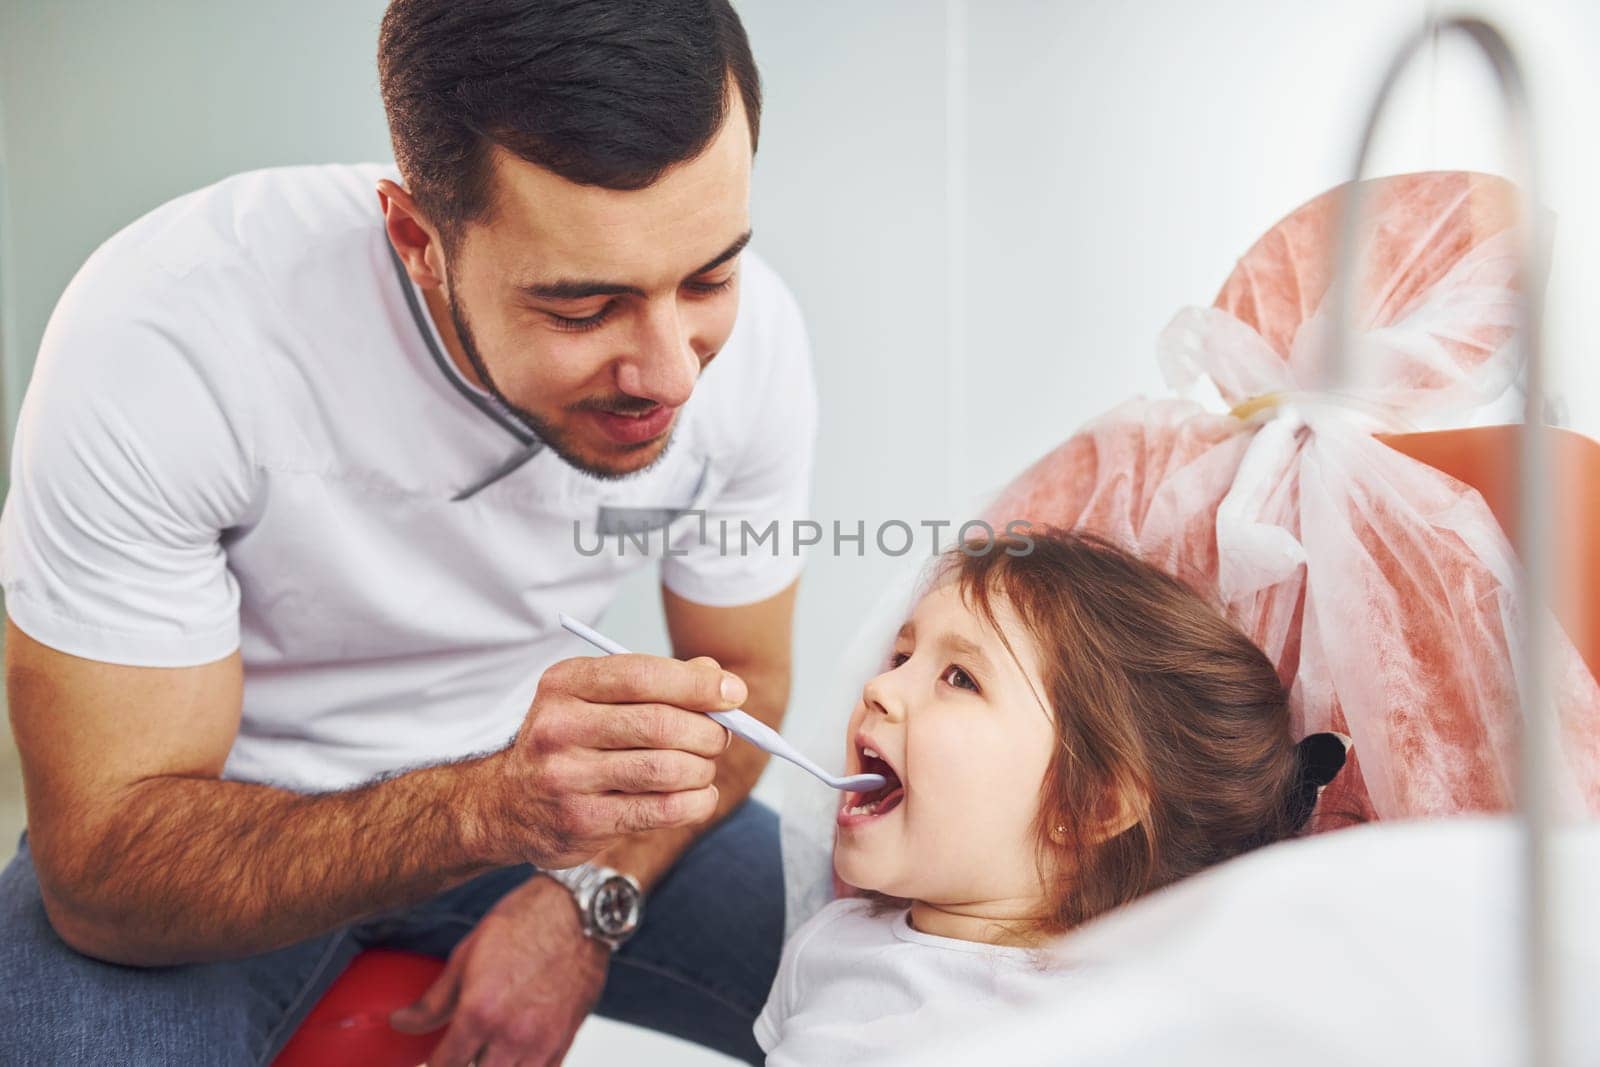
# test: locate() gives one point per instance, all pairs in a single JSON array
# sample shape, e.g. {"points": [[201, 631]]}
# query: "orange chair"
{"points": [[1485, 457]]}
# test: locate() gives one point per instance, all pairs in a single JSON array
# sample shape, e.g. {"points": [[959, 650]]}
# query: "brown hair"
{"points": [[1156, 698]]}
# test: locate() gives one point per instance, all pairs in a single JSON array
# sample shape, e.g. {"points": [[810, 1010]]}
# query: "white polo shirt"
{"points": [[243, 432]]}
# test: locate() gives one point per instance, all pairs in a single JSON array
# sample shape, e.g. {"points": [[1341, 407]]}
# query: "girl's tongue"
{"points": [[879, 801]]}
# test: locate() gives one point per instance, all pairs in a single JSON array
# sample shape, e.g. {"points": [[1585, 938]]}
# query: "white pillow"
{"points": [[1389, 944]]}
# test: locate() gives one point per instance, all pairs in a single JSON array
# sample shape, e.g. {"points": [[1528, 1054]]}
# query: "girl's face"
{"points": [[955, 724]]}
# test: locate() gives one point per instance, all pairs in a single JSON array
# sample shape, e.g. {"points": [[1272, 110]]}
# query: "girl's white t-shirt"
{"points": [[856, 988], [242, 433]]}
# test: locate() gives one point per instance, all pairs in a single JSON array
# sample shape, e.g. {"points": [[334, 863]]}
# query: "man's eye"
{"points": [[578, 325], [959, 678], [708, 288]]}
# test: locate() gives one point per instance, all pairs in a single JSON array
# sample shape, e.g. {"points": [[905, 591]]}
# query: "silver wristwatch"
{"points": [[610, 903]]}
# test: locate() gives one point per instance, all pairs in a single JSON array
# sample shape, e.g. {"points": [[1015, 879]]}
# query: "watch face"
{"points": [[616, 907]]}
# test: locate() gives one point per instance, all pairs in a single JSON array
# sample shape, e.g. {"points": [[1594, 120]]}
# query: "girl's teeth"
{"points": [[870, 754]]}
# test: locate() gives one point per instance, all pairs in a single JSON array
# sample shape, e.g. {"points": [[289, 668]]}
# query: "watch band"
{"points": [[576, 879], [598, 892]]}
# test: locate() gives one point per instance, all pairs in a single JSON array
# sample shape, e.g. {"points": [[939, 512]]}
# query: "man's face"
{"points": [[592, 311]]}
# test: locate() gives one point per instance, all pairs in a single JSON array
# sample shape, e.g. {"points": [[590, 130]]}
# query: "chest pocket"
{"points": [[645, 509]]}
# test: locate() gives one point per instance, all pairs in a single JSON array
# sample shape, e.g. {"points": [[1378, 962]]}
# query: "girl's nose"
{"points": [[880, 696]]}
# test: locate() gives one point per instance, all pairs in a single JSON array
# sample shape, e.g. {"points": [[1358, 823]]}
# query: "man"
{"points": [[310, 462]]}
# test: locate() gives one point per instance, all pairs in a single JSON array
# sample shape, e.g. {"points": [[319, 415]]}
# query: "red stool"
{"points": [[350, 1024]]}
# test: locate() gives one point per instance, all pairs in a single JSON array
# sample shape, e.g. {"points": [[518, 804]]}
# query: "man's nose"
{"points": [[663, 365]]}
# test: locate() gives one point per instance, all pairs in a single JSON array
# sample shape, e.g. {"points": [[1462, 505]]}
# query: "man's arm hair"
{"points": [[147, 857], [196, 868]]}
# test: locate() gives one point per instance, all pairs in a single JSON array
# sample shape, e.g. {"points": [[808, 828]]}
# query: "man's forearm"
{"points": [[196, 868]]}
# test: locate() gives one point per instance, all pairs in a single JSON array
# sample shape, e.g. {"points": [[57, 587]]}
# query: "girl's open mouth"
{"points": [[860, 807]]}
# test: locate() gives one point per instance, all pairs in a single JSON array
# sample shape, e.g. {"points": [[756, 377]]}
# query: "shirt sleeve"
{"points": [[751, 543], [769, 1024], [130, 461]]}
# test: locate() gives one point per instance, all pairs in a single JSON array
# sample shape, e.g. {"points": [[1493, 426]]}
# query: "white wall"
{"points": [[110, 109], [1120, 156], [1123, 155]]}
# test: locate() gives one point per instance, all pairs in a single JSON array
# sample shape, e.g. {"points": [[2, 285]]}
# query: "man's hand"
{"points": [[611, 746], [517, 987]]}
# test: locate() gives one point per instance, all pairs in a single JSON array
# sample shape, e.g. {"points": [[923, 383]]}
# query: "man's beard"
{"points": [[541, 428]]}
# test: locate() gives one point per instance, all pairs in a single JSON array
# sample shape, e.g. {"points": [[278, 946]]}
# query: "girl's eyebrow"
{"points": [[965, 648], [953, 643]]}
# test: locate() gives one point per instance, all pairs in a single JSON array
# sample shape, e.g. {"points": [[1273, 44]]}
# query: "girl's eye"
{"points": [[578, 325], [960, 678], [897, 658]]}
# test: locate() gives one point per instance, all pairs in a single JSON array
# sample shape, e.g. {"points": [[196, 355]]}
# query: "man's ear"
{"points": [[415, 241]]}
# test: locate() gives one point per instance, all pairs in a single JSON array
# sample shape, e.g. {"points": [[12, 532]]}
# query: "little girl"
{"points": [[1063, 729]]}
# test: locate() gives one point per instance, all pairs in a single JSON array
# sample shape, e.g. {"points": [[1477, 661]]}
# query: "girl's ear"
{"points": [[1123, 807]]}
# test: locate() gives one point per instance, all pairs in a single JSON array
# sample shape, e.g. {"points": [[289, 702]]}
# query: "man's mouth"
{"points": [[636, 427], [859, 807]]}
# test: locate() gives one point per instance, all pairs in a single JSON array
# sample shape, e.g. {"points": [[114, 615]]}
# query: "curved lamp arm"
{"points": [[1540, 738]]}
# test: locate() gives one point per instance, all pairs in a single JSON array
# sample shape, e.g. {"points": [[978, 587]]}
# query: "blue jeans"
{"points": [[699, 967]]}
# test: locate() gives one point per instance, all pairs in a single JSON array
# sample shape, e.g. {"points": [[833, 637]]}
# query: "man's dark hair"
{"points": [[602, 92]]}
